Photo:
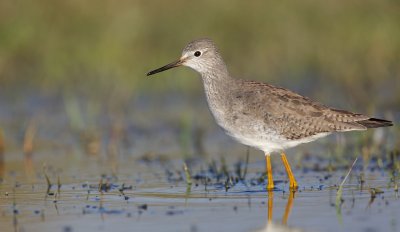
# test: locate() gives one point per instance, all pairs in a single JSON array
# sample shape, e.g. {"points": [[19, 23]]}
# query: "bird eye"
{"points": [[197, 53]]}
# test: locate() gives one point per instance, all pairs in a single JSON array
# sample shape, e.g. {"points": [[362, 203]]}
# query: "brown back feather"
{"points": [[304, 116]]}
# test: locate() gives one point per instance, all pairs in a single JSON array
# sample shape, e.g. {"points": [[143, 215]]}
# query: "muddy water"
{"points": [[123, 172]]}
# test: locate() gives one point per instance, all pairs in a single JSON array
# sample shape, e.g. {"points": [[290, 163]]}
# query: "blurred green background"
{"points": [[73, 81], [343, 53]]}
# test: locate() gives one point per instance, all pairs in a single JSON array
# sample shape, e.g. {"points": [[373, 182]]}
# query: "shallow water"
{"points": [[151, 201], [123, 172]]}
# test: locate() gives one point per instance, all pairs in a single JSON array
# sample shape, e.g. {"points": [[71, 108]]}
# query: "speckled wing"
{"points": [[298, 117]]}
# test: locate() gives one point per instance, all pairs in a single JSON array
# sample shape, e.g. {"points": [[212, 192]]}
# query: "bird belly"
{"points": [[255, 134], [270, 142], [267, 144]]}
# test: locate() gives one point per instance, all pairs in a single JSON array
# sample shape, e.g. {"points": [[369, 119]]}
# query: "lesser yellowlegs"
{"points": [[263, 116]]}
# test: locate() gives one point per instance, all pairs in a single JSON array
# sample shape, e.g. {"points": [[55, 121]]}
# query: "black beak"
{"points": [[166, 67]]}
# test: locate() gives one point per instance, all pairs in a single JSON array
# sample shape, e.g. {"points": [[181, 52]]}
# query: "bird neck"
{"points": [[217, 85], [218, 77], [217, 72]]}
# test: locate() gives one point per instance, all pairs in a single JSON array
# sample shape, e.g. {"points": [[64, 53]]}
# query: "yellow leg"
{"points": [[269, 172], [270, 205], [292, 181]]}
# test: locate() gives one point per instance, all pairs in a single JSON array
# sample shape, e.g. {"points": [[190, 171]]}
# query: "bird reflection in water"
{"points": [[289, 206], [276, 227]]}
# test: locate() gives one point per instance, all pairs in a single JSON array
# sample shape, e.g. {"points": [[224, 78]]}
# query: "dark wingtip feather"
{"points": [[375, 122]]}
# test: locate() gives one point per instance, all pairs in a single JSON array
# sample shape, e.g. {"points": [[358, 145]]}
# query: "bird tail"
{"points": [[375, 122]]}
